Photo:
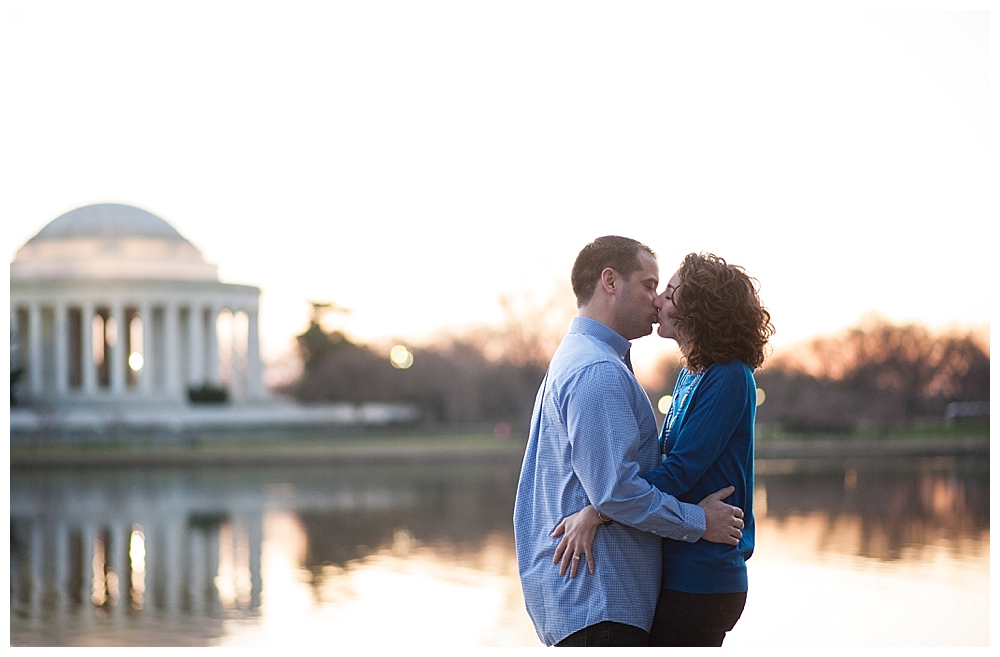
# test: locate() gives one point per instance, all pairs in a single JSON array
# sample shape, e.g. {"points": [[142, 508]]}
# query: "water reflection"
{"points": [[262, 556], [152, 544], [121, 541], [882, 509]]}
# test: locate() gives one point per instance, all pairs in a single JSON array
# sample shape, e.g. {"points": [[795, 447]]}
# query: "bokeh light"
{"points": [[400, 357]]}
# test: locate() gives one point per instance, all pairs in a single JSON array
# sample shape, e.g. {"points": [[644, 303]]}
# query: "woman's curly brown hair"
{"points": [[718, 311]]}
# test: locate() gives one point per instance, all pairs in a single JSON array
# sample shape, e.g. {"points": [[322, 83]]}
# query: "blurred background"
{"points": [[284, 282]]}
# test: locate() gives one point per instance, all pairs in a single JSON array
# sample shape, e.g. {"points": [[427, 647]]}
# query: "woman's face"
{"points": [[665, 304]]}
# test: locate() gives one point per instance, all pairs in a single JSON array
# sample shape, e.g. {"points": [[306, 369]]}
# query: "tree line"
{"points": [[877, 375], [486, 375]]}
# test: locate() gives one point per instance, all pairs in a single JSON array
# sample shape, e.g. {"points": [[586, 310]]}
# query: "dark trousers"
{"points": [[695, 619], [607, 634]]}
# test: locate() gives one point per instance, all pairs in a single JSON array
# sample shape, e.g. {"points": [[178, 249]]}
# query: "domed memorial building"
{"points": [[111, 305]]}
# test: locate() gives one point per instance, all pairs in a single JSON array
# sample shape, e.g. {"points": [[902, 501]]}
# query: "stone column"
{"points": [[17, 336], [35, 363], [117, 362], [212, 346], [87, 348], [61, 349], [148, 369], [237, 385], [170, 363], [254, 368], [196, 358]]}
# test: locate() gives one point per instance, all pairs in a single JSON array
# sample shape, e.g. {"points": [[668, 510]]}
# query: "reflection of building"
{"points": [[167, 545], [109, 303], [193, 540]]}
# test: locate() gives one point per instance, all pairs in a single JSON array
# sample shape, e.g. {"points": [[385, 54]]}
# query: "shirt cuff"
{"points": [[692, 525]]}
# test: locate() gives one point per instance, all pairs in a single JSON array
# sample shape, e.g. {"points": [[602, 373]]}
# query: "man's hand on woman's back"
{"points": [[723, 523]]}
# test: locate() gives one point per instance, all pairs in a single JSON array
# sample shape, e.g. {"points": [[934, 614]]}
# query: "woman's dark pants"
{"points": [[694, 619]]}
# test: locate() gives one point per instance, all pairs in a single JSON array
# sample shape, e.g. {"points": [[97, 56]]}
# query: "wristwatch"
{"points": [[604, 519]]}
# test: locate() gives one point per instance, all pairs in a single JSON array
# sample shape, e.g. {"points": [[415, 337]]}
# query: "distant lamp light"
{"points": [[135, 361], [400, 357], [664, 404], [760, 396]]}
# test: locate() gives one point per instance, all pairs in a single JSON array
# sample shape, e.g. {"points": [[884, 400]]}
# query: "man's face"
{"points": [[635, 313]]}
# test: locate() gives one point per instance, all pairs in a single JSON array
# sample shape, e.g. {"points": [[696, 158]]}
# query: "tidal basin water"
{"points": [[868, 553]]}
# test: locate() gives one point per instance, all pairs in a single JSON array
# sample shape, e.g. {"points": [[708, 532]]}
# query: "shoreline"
{"points": [[214, 452], [437, 449], [889, 447]]}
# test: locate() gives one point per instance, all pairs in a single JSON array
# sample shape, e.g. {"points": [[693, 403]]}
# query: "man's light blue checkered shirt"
{"points": [[593, 434]]}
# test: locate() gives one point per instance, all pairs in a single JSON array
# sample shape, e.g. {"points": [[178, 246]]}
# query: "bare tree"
{"points": [[877, 374]]}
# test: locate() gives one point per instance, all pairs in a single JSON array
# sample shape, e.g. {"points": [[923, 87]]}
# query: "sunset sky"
{"points": [[413, 161]]}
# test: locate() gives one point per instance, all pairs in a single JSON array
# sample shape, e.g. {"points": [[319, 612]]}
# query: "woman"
{"points": [[713, 312]]}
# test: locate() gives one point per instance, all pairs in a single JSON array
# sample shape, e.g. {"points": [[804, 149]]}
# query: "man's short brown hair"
{"points": [[618, 253]]}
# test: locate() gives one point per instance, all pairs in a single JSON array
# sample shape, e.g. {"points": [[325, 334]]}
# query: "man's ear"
{"points": [[609, 278]]}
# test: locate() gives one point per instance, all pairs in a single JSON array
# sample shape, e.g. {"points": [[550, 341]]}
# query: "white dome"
{"points": [[107, 220], [110, 241]]}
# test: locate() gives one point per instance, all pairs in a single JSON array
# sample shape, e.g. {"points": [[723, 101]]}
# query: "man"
{"points": [[593, 434]]}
